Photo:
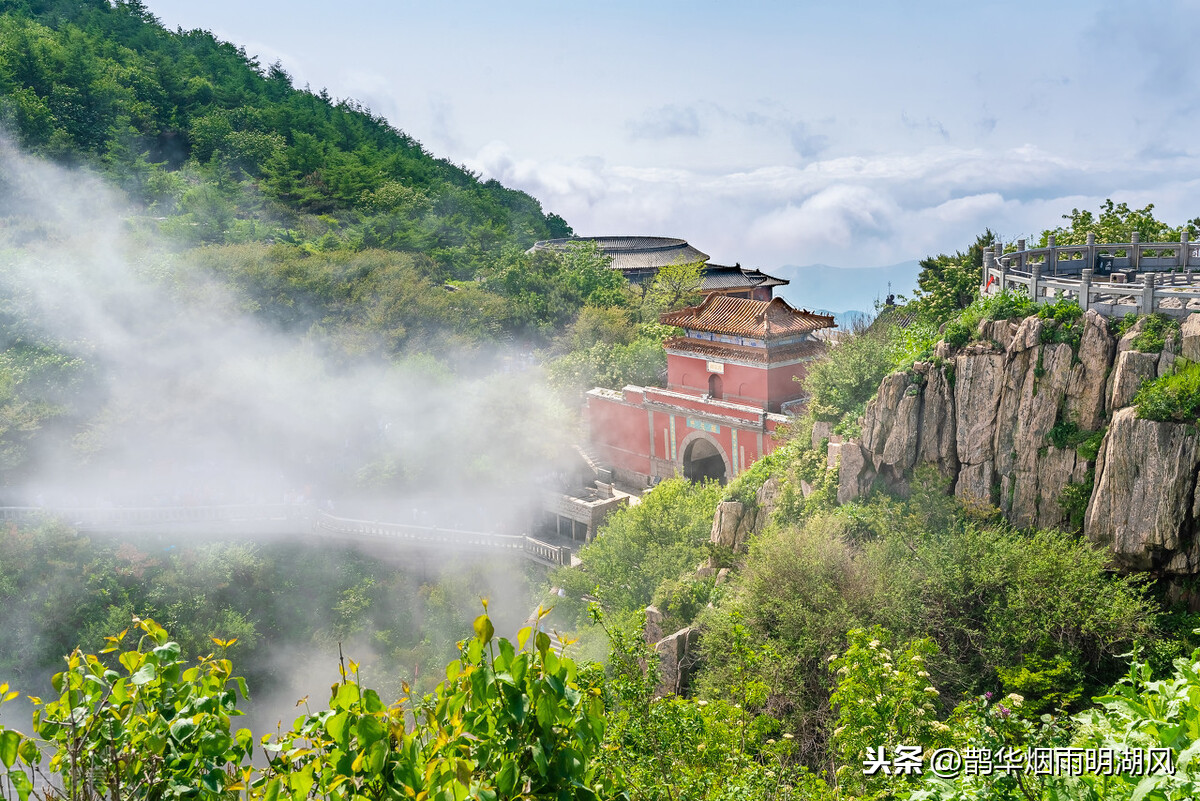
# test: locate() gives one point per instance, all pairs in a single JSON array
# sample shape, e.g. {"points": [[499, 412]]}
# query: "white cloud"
{"points": [[848, 210]]}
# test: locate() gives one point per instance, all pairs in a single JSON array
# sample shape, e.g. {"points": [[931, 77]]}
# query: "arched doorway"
{"points": [[714, 386], [702, 461]]}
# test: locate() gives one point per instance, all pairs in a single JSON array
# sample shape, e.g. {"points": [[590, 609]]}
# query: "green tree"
{"points": [[640, 546], [674, 286], [948, 283], [1116, 223]]}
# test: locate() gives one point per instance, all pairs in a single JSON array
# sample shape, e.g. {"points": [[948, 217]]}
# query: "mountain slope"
{"points": [[196, 131]]}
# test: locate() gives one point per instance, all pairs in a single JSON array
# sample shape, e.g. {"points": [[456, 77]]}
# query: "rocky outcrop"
{"points": [[729, 526], [652, 629], [1131, 370], [766, 499], [936, 442], [678, 656], [1190, 338], [856, 472], [1144, 507], [983, 416], [1085, 401], [734, 522]]}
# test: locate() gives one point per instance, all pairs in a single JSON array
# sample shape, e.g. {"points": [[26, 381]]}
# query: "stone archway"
{"points": [[702, 458]]}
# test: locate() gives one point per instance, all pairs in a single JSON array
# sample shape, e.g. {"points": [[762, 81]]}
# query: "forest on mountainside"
{"points": [[222, 149]]}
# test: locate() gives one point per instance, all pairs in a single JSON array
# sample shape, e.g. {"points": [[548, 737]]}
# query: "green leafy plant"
{"points": [[1154, 335], [1171, 398], [884, 698]]}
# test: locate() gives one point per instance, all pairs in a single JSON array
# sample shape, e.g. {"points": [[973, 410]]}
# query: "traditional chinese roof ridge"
{"points": [[724, 351], [721, 276], [722, 314], [634, 252]]}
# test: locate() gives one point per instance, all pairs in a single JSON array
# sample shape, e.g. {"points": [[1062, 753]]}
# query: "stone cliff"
{"points": [[983, 415]]}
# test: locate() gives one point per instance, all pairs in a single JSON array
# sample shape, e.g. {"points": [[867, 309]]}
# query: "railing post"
{"points": [[1035, 278], [1135, 250], [987, 268], [1091, 251], [1185, 250], [1085, 288], [1148, 293], [1052, 256], [1021, 251]]}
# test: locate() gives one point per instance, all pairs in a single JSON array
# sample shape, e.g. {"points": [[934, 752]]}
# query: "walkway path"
{"points": [[281, 519]]}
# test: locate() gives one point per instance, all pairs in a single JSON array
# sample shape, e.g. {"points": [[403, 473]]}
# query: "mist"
{"points": [[199, 403], [189, 400]]}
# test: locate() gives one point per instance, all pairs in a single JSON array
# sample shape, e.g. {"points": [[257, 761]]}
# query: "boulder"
{"points": [[1132, 368], [727, 524], [833, 455], [1166, 362], [1142, 508], [999, 331], [856, 473], [767, 499], [821, 430], [1126, 342], [1027, 336], [677, 659], [936, 442], [653, 628], [1086, 391], [1189, 346]]}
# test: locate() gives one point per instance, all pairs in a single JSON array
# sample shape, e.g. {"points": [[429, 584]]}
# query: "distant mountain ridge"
{"points": [[827, 287], [846, 320]]}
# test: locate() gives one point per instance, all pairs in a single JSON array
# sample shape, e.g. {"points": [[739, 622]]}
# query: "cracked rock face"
{"points": [[1143, 507], [983, 414]]}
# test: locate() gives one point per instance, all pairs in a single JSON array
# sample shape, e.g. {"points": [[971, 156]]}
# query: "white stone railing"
{"points": [[1142, 277], [293, 518]]}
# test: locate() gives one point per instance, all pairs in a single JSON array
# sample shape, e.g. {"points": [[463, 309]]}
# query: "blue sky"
{"points": [[853, 134]]}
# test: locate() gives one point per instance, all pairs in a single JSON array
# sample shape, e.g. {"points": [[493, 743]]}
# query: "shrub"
{"points": [[1120, 327], [1171, 398], [1046, 683], [1074, 499], [1007, 305], [1154, 335], [957, 334], [1066, 434], [849, 375], [641, 546], [1061, 310]]}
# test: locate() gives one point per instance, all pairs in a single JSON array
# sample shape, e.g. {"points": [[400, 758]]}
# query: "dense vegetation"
{"points": [[882, 622], [59, 590], [227, 150]]}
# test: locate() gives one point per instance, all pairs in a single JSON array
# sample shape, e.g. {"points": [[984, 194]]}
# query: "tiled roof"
{"points": [[719, 276], [722, 350], [635, 252], [761, 319]]}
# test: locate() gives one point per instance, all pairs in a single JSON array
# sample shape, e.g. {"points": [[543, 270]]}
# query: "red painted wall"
{"points": [[782, 386], [621, 432], [755, 386], [740, 384]]}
